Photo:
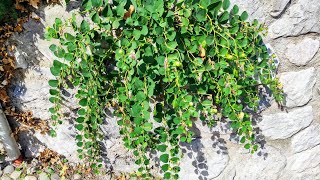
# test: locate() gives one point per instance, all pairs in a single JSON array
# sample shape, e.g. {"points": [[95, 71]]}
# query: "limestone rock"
{"points": [[302, 53], [268, 164], [43, 176], [306, 139], [30, 178], [278, 6], [284, 125], [8, 170], [303, 17], [15, 174], [20, 59], [298, 86], [302, 161], [64, 143], [201, 160], [55, 176]]}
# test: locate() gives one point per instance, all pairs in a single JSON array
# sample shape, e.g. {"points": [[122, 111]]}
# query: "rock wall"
{"points": [[291, 146]]}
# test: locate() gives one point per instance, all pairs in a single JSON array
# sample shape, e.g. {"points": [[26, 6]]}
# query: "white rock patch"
{"points": [[284, 125], [302, 53], [306, 139], [298, 86]]}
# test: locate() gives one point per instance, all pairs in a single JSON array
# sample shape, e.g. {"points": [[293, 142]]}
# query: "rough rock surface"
{"points": [[292, 143], [306, 139], [302, 17], [278, 6], [305, 160], [298, 86], [284, 125], [302, 53], [201, 161], [267, 164]]}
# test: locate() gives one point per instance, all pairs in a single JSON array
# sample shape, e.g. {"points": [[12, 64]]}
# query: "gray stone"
{"points": [[30, 178], [302, 53], [15, 174], [20, 59], [201, 160], [43, 176], [305, 160], [267, 164], [32, 92], [284, 125], [306, 139], [278, 6], [303, 17], [55, 177], [298, 86], [5, 178], [64, 143], [8, 170]]}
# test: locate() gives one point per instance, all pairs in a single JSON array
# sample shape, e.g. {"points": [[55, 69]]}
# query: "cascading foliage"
{"points": [[161, 65]]}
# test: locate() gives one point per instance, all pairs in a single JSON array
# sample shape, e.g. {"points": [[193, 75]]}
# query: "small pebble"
{"points": [[76, 176], [30, 178], [8, 170], [55, 177], [43, 176]]}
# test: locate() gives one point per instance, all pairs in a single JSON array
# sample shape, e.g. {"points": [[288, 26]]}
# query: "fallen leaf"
{"points": [[129, 12]]}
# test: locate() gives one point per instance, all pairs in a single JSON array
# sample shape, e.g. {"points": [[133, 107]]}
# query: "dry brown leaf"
{"points": [[34, 3], [202, 52], [129, 12]]}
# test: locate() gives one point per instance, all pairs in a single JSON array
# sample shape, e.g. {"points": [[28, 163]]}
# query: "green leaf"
{"points": [[55, 71], [247, 146], [144, 30], [136, 34], [164, 158], [165, 167], [54, 92], [53, 47], [244, 16], [96, 18], [96, 3], [69, 37], [167, 175], [80, 120], [243, 139], [140, 96], [172, 45], [201, 15], [53, 99], [226, 4], [52, 110], [53, 83], [79, 127], [83, 102], [206, 103], [162, 148], [81, 112], [224, 17], [235, 9], [147, 126], [53, 133], [84, 26]]}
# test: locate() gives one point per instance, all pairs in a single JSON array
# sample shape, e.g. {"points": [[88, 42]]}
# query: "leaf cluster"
{"points": [[161, 65]]}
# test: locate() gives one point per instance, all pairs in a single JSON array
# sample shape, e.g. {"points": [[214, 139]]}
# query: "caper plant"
{"points": [[161, 65]]}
